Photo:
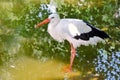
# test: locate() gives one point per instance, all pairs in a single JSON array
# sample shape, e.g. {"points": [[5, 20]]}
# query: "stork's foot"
{"points": [[67, 69]]}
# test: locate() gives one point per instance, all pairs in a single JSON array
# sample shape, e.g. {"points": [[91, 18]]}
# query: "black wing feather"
{"points": [[92, 33]]}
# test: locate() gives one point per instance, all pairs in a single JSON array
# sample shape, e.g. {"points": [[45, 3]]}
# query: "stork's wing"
{"points": [[80, 29]]}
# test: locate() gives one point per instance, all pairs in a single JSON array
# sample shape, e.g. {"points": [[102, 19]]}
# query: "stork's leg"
{"points": [[68, 68], [73, 53]]}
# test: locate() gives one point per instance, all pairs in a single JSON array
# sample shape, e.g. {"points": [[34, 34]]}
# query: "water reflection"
{"points": [[108, 64], [26, 68]]}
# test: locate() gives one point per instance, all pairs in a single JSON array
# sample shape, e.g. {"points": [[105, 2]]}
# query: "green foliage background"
{"points": [[19, 37]]}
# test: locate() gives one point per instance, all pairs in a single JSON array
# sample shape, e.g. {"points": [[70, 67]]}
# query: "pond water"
{"points": [[26, 68]]}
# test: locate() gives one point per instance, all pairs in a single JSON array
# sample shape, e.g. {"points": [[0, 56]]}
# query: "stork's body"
{"points": [[76, 32]]}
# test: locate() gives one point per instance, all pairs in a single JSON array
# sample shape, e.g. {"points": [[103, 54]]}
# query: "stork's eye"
{"points": [[52, 17]]}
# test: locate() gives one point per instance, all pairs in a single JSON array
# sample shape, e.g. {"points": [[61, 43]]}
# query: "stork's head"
{"points": [[52, 18]]}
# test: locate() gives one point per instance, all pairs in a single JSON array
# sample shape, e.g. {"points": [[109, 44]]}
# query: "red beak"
{"points": [[42, 23]]}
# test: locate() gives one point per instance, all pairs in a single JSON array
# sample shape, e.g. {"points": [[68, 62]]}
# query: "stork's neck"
{"points": [[54, 22]]}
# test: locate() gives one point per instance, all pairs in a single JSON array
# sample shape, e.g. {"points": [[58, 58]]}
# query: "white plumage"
{"points": [[66, 29]]}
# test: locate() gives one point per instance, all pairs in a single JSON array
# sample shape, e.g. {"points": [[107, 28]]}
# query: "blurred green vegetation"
{"points": [[19, 37]]}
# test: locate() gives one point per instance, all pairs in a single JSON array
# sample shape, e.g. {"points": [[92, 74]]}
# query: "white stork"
{"points": [[76, 32]]}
